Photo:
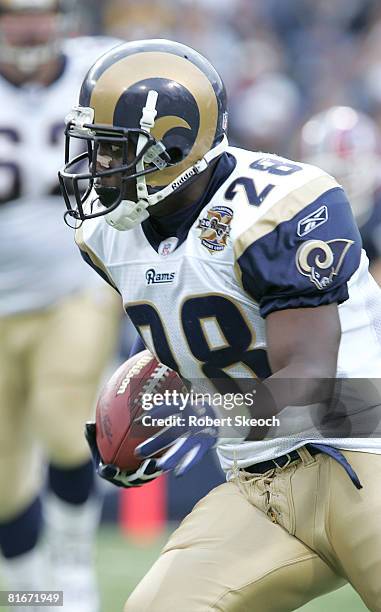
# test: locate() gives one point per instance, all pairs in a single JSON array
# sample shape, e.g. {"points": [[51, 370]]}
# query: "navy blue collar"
{"points": [[179, 223]]}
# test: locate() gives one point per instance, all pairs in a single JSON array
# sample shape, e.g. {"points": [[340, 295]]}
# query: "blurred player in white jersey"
{"points": [[236, 266], [347, 143], [58, 326]]}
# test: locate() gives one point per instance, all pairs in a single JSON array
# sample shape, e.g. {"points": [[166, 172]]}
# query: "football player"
{"points": [[264, 278], [57, 326], [347, 144]]}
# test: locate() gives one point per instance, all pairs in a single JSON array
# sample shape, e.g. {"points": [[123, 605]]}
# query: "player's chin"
{"points": [[107, 194], [110, 192]]}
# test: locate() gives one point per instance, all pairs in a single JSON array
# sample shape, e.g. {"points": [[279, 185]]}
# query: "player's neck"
{"points": [[43, 76]]}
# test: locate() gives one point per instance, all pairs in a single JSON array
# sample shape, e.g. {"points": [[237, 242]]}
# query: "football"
{"points": [[120, 404]]}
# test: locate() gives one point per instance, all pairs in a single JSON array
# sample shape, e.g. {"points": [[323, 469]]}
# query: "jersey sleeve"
{"points": [[91, 250], [371, 231], [302, 252]]}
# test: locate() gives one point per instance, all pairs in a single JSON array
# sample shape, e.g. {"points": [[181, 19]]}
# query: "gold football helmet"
{"points": [[159, 109]]}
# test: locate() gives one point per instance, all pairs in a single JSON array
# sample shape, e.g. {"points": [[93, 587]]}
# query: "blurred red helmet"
{"points": [[346, 143]]}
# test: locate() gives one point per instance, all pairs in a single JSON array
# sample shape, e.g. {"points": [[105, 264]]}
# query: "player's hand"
{"points": [[146, 472], [187, 441]]}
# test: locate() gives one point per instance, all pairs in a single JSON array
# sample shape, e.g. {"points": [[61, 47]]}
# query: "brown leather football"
{"points": [[120, 404]]}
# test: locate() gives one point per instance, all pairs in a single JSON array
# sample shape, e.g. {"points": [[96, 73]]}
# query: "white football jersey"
{"points": [[272, 234], [38, 262]]}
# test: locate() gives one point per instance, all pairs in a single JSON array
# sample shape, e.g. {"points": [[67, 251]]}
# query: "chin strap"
{"points": [[197, 168], [129, 214]]}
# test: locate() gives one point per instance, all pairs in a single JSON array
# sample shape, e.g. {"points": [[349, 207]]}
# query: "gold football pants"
{"points": [[273, 542], [51, 364]]}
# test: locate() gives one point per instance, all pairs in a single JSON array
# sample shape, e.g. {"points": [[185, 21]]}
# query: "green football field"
{"points": [[122, 563]]}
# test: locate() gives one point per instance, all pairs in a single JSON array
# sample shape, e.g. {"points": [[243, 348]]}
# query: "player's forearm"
{"points": [[298, 382], [295, 395]]}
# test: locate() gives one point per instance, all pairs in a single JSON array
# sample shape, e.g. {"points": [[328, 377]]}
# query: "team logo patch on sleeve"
{"points": [[312, 221], [321, 261], [215, 228]]}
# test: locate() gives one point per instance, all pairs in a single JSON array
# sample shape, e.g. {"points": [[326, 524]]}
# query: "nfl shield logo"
{"points": [[167, 246]]}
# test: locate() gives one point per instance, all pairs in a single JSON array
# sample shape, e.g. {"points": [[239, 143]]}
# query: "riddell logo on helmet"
{"points": [[183, 178]]}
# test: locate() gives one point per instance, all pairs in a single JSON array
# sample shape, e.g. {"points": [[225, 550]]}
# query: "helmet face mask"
{"points": [[31, 32], [164, 105], [98, 136]]}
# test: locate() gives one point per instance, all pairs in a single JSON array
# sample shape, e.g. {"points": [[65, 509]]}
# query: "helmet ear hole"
{"points": [[176, 154]]}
